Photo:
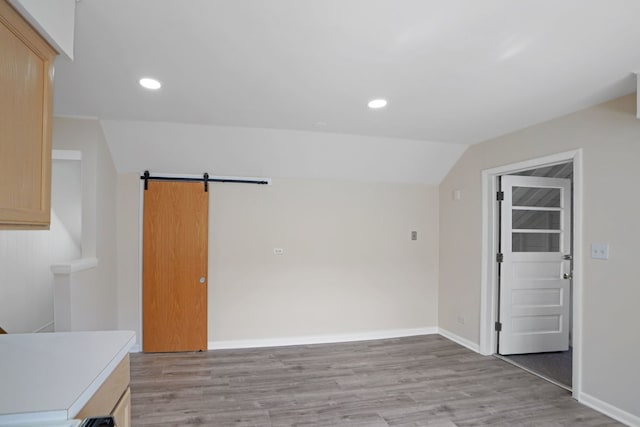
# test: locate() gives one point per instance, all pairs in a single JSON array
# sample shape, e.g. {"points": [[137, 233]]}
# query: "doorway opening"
{"points": [[553, 272], [534, 276]]}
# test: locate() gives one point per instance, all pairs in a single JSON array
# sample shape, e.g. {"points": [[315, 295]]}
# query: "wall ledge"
{"points": [[74, 266]]}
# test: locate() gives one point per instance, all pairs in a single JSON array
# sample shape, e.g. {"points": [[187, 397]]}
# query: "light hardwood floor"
{"points": [[414, 381]]}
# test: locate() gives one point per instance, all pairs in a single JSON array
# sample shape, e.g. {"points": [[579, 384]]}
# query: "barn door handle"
{"points": [[567, 276], [202, 279]]}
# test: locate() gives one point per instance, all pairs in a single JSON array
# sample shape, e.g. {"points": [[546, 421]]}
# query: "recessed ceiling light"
{"points": [[377, 103], [149, 83]]}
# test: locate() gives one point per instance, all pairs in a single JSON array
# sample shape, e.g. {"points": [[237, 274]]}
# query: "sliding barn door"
{"points": [[175, 241]]}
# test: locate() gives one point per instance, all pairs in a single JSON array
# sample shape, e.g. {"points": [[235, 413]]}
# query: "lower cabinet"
{"points": [[122, 411], [112, 398]]}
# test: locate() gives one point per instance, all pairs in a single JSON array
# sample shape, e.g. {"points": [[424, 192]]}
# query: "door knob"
{"points": [[567, 276], [202, 279]]}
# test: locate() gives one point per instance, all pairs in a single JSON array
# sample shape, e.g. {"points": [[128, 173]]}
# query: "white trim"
{"points": [[459, 340], [140, 261], [321, 339], [610, 410], [48, 327], [488, 310], [488, 287], [74, 266], [45, 32], [136, 348], [637, 73], [578, 257], [66, 155]]}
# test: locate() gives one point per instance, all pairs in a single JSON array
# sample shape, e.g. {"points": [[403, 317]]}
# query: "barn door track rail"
{"points": [[206, 179]]}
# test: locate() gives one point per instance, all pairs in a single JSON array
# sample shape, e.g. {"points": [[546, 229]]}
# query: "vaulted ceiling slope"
{"points": [[453, 71], [228, 151]]}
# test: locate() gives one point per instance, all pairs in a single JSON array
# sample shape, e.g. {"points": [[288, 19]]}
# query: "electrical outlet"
{"points": [[461, 320], [414, 235], [278, 251], [600, 251]]}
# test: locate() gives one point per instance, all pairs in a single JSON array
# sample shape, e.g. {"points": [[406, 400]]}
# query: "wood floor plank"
{"points": [[414, 381]]}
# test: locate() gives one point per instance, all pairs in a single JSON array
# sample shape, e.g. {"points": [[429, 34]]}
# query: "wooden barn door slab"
{"points": [[175, 242]]}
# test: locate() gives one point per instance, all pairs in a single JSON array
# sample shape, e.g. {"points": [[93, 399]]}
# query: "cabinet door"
{"points": [[26, 83], [122, 412]]}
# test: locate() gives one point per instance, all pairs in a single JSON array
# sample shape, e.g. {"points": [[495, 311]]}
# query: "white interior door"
{"points": [[535, 274]]}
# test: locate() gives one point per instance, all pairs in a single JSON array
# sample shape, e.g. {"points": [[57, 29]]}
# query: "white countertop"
{"points": [[51, 376]]}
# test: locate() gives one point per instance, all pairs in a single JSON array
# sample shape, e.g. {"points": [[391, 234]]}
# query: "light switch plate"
{"points": [[600, 250]]}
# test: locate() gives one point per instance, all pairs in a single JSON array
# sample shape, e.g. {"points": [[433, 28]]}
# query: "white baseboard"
{"points": [[45, 328], [609, 410], [459, 340], [136, 348], [321, 339]]}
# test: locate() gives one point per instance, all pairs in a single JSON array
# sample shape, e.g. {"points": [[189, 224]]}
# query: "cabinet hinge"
{"points": [[500, 196], [498, 326], [499, 257]]}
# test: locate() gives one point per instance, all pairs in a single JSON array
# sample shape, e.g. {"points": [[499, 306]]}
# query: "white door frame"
{"points": [[489, 280]]}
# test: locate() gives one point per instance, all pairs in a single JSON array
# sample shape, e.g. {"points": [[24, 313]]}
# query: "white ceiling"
{"points": [[453, 71]]}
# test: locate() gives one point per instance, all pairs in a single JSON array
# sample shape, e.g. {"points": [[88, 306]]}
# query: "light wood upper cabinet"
{"points": [[26, 89]]}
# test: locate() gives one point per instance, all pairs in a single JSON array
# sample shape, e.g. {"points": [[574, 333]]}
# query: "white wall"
{"points": [[26, 281], [66, 196], [349, 265], [98, 296], [275, 153], [128, 253], [609, 135]]}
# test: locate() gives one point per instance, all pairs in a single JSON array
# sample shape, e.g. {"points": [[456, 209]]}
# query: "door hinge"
{"points": [[500, 196], [499, 257], [498, 326]]}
